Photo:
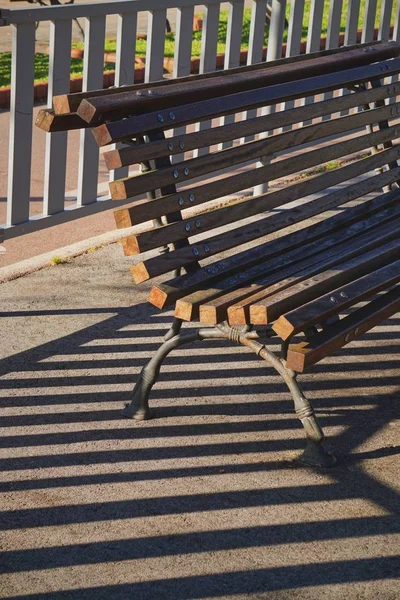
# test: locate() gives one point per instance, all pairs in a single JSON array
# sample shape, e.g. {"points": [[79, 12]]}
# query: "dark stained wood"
{"points": [[165, 294], [206, 109], [199, 139], [306, 354], [66, 103], [241, 235], [319, 310], [216, 161], [270, 309], [313, 259], [143, 210], [48, 121], [276, 256], [136, 102]]}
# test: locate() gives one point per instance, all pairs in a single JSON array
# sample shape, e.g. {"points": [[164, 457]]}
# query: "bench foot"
{"points": [[316, 455], [138, 408]]}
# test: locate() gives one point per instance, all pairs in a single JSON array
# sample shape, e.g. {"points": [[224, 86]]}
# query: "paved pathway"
{"points": [[204, 501]]}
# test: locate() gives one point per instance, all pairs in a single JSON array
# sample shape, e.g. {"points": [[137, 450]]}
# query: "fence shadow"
{"points": [[205, 500]]}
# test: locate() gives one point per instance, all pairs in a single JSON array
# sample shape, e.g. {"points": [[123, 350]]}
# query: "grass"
{"points": [[57, 260], [42, 60]]}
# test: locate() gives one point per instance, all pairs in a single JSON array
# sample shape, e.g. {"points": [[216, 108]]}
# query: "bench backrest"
{"points": [[183, 220]]}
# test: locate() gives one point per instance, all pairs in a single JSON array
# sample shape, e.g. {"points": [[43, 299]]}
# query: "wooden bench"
{"points": [[256, 267]]}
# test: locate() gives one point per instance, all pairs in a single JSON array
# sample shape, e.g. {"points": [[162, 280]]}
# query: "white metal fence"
{"points": [[305, 20]]}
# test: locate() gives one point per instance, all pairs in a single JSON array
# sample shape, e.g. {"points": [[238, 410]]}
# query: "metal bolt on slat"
{"points": [[206, 248], [176, 174], [195, 252], [172, 116], [187, 226], [333, 299], [160, 118], [180, 201], [181, 145], [186, 171], [198, 223], [191, 197], [343, 294], [347, 338], [356, 331], [170, 146]]}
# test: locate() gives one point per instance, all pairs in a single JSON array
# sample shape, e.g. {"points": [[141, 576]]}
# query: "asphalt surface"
{"points": [[206, 500]]}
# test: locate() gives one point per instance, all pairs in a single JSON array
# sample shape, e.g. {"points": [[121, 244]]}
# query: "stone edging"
{"points": [[41, 89]]}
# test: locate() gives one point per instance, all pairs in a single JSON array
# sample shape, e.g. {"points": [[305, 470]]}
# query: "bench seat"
{"points": [[312, 256]]}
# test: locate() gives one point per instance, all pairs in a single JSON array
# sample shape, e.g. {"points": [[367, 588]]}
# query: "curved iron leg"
{"points": [[315, 453], [139, 407]]}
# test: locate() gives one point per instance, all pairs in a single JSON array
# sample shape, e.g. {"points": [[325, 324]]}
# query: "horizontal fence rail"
{"points": [[295, 26]]}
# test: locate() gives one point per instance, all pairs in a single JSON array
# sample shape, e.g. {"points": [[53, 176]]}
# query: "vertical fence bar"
{"points": [[332, 38], [125, 66], [369, 21], [384, 21], [232, 51], [56, 143], [294, 38], [208, 53], [183, 54], [353, 13], [21, 112], [314, 36], [275, 41], [93, 67], [155, 45], [396, 29], [256, 43]]}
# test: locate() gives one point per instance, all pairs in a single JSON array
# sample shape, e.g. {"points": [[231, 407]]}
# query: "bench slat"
{"points": [[288, 249], [165, 294], [204, 165], [186, 228], [65, 103], [134, 102], [48, 121], [334, 249], [241, 235], [185, 114], [333, 338], [270, 309], [145, 210], [241, 311], [319, 310], [199, 139]]}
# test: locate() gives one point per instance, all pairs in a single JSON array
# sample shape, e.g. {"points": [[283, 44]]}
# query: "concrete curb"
{"points": [[25, 267]]}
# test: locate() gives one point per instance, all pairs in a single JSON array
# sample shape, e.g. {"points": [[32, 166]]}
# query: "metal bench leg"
{"points": [[138, 408], [315, 453]]}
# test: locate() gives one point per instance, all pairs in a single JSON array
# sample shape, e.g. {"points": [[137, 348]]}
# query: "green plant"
{"points": [[57, 260]]}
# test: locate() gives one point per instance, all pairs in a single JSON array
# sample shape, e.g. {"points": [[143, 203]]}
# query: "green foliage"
{"points": [[57, 260]]}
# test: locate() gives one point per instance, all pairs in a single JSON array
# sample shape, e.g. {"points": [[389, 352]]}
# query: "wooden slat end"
{"points": [[61, 104], [87, 111], [130, 245], [122, 218], [237, 315], [112, 159], [258, 314], [297, 357], [158, 297], [283, 328], [140, 273], [44, 119], [118, 190], [102, 135], [184, 310]]}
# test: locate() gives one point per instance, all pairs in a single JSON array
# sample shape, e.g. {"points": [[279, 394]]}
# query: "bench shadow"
{"points": [[60, 384]]}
